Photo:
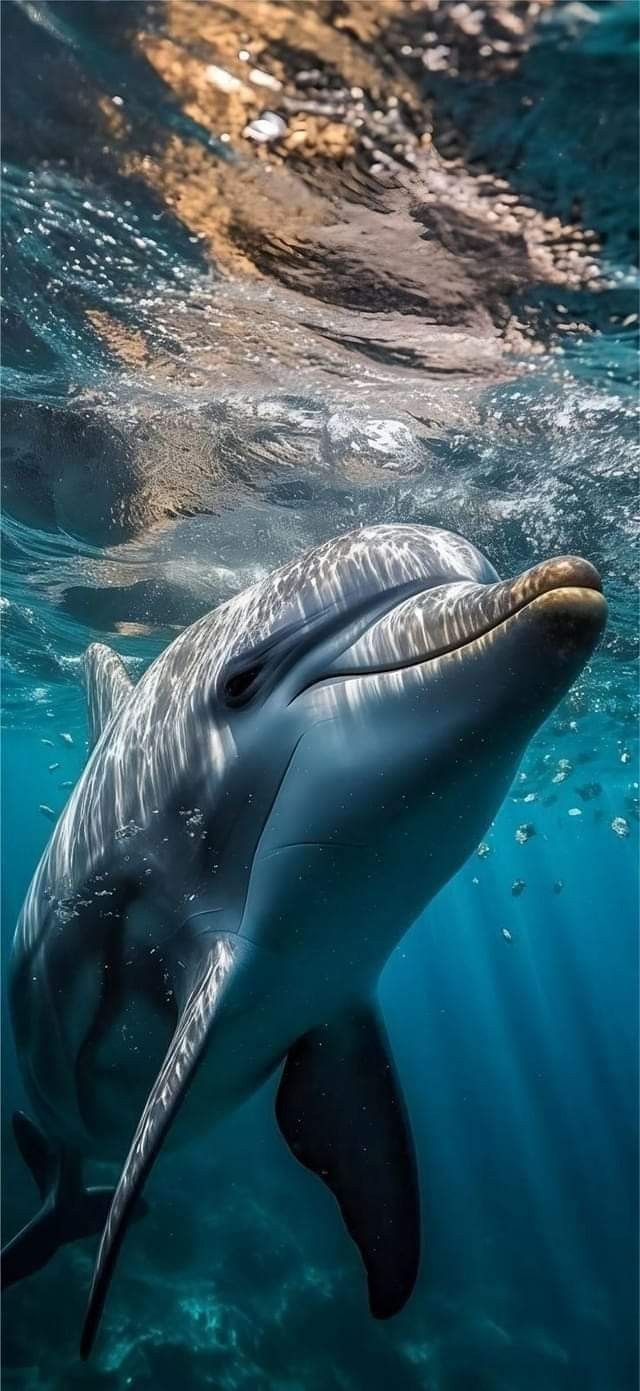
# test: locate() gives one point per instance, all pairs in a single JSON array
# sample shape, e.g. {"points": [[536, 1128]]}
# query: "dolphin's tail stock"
{"points": [[68, 1212], [224, 959]]}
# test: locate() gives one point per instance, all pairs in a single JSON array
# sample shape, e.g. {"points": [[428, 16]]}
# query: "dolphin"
{"points": [[260, 820]]}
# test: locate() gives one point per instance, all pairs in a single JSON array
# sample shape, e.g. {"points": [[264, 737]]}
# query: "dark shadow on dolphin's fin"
{"points": [[224, 957], [341, 1111], [69, 1211], [107, 685]]}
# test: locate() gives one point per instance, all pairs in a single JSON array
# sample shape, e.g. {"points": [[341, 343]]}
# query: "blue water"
{"points": [[518, 1052]]}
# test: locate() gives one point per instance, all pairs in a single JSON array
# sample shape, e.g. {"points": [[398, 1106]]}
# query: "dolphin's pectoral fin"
{"points": [[341, 1111], [165, 1098], [69, 1211], [107, 684]]}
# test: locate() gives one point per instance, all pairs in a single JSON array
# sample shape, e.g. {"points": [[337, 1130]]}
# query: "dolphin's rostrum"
{"points": [[261, 819]]}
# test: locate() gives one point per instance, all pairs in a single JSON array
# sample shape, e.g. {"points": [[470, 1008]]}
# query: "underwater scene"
{"points": [[320, 784]]}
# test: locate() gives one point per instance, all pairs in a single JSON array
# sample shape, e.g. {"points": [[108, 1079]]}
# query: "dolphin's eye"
{"points": [[238, 688]]}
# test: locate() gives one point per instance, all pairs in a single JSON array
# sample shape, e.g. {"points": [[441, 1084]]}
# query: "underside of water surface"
{"points": [[273, 271]]}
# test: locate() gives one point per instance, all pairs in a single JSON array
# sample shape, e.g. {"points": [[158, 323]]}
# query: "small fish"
{"points": [[49, 742], [53, 766], [67, 738], [558, 886], [574, 811], [518, 887], [68, 783], [507, 935], [47, 811], [589, 791]]}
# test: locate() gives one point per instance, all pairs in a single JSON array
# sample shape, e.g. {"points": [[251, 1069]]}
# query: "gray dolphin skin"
{"points": [[261, 819]]}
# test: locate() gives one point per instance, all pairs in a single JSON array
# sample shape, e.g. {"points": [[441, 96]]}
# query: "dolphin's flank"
{"points": [[261, 819]]}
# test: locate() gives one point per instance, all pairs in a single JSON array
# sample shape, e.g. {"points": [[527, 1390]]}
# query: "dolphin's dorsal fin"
{"points": [[342, 1114], [224, 959], [107, 685]]}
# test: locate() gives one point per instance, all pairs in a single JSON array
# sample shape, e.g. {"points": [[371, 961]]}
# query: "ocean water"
{"points": [[194, 391]]}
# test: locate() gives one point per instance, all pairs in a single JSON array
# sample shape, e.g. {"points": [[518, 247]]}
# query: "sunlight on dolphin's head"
{"points": [[523, 640], [407, 626], [290, 631]]}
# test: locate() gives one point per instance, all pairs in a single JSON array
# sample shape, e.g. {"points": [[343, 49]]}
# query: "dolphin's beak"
{"points": [[560, 600]]}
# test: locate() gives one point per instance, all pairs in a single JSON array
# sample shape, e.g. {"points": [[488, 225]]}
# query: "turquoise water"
{"points": [[512, 1006]]}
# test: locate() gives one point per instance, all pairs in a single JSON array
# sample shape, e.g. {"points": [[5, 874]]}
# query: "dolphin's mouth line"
{"points": [[457, 646]]}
